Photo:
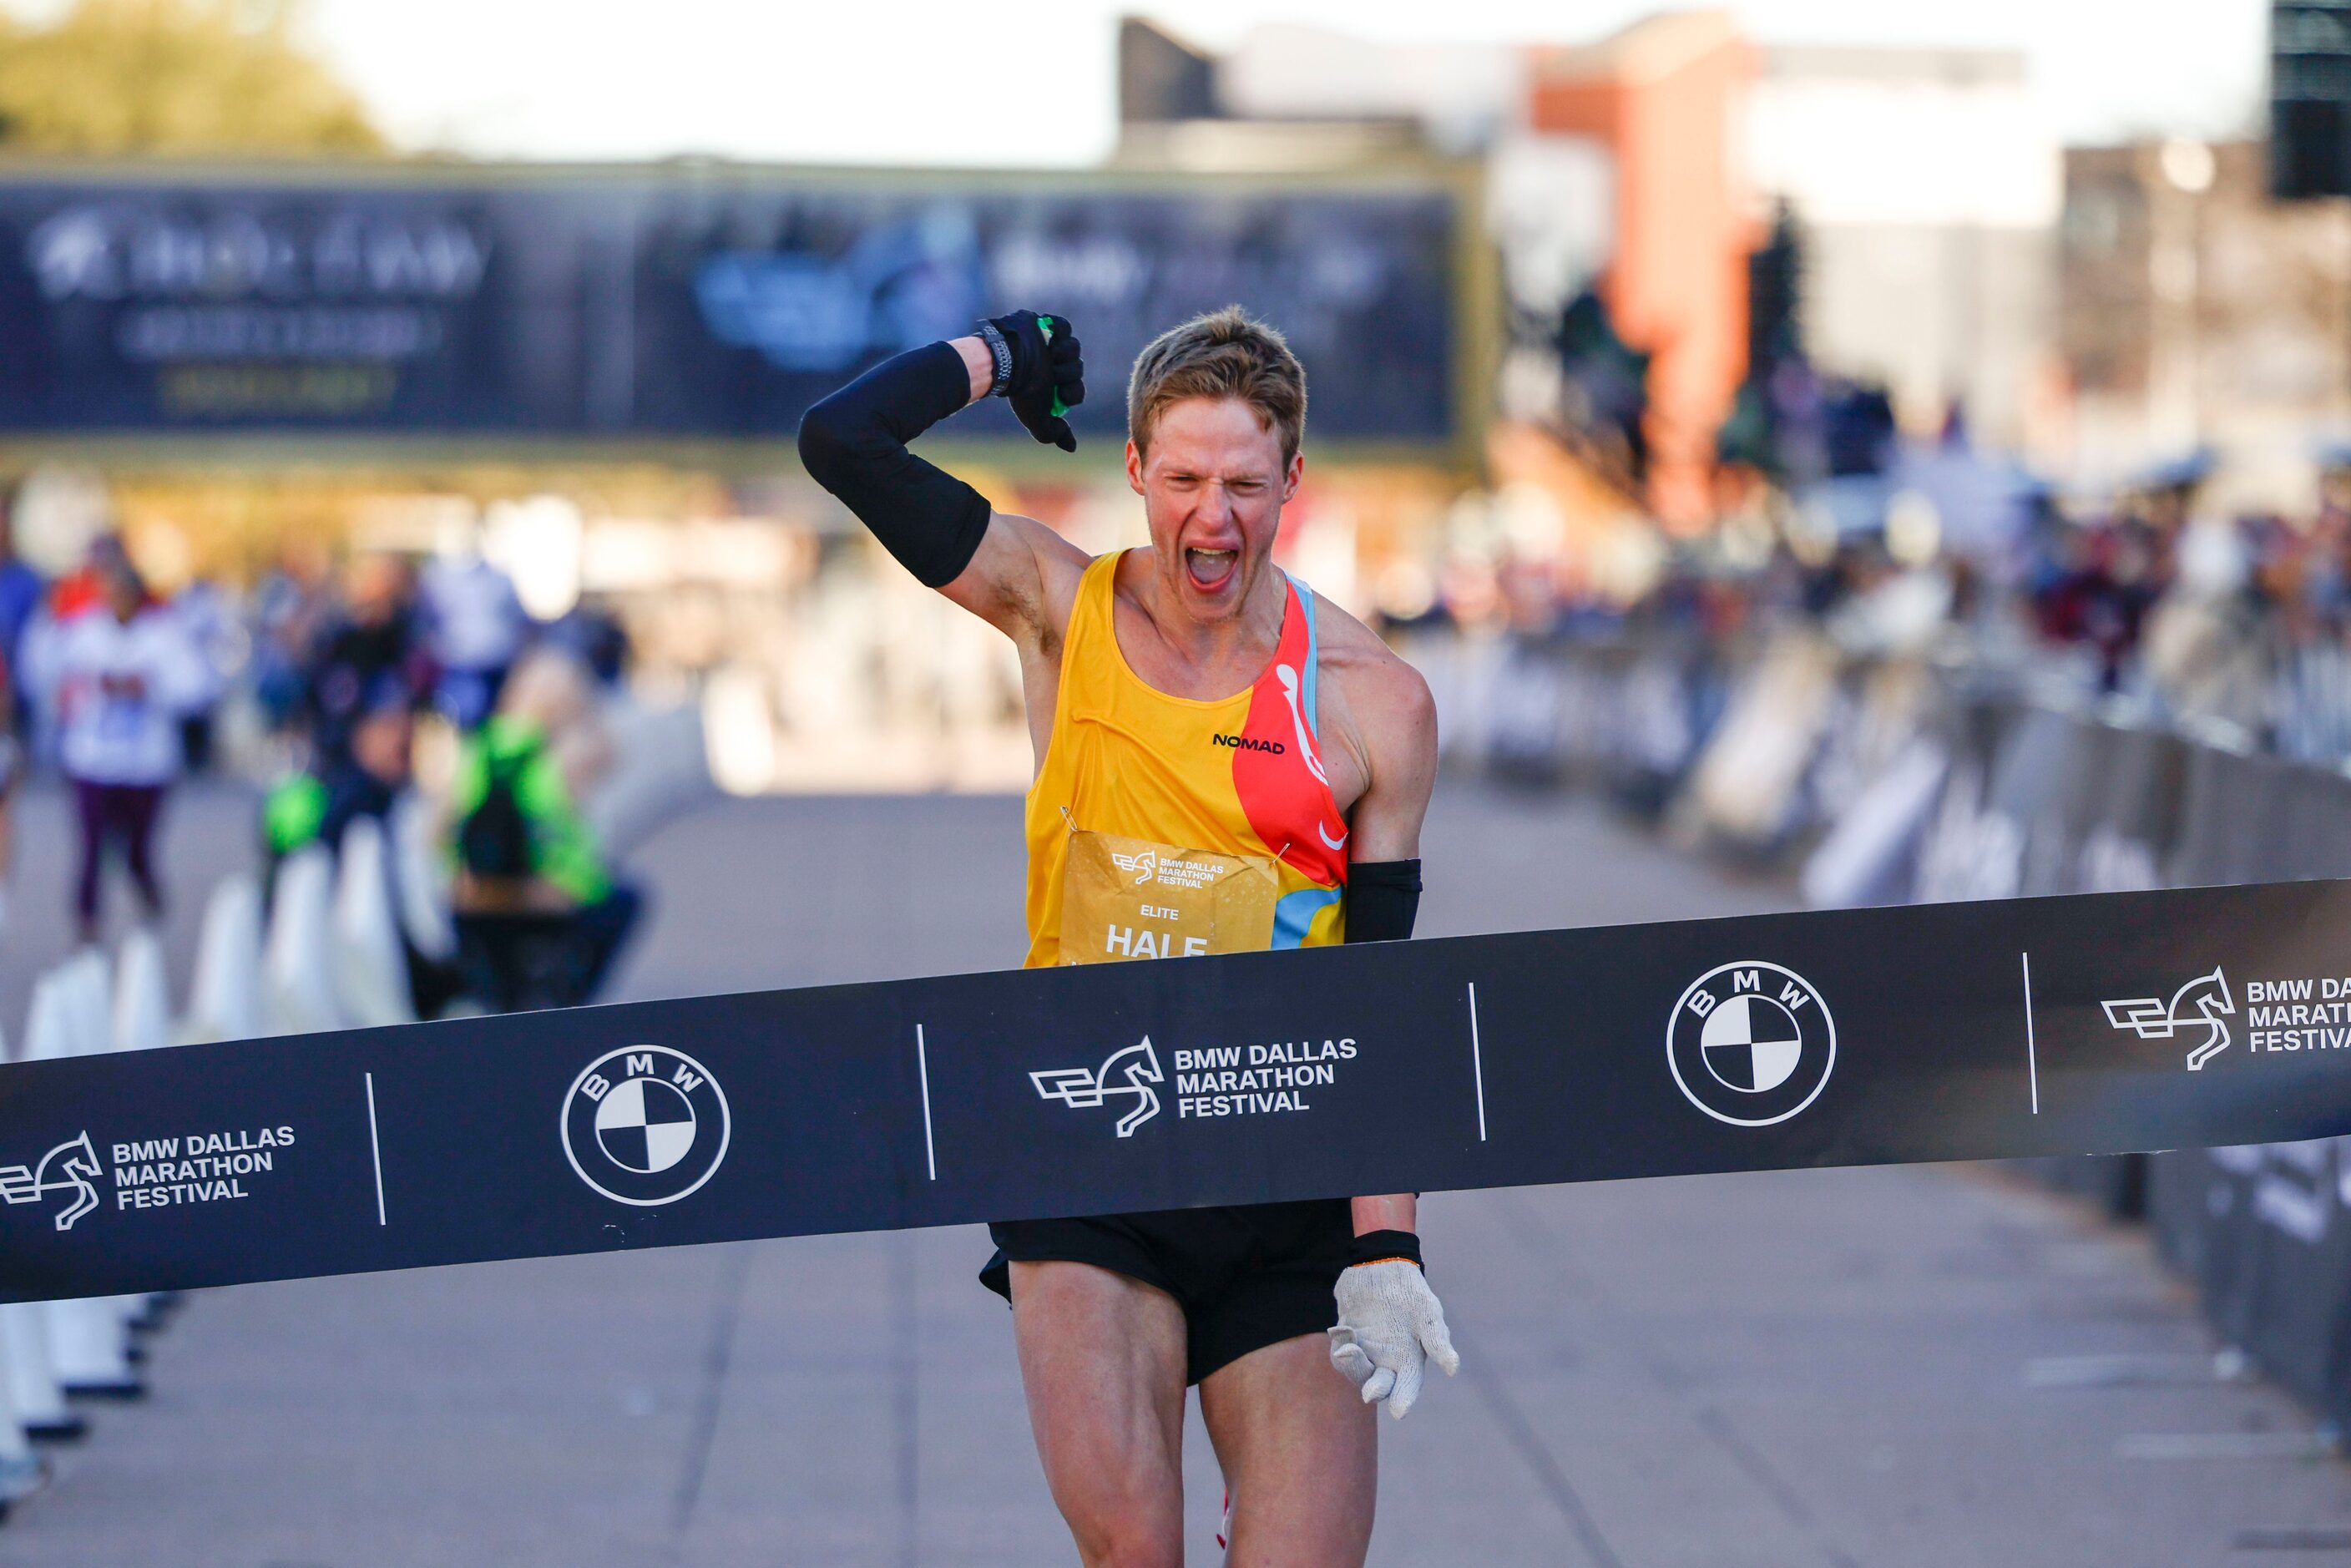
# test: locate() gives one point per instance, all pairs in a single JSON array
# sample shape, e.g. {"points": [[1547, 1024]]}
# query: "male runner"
{"points": [[1224, 762]]}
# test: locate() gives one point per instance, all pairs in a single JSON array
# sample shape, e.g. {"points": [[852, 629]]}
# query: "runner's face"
{"points": [[1213, 486]]}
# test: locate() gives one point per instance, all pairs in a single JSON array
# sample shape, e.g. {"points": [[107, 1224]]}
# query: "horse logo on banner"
{"points": [[1079, 1089], [77, 1173], [2150, 1018]]}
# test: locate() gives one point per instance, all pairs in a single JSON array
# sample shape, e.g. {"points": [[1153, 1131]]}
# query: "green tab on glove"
{"points": [[1049, 371]]}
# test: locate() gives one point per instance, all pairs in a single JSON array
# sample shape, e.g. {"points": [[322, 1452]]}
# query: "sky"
{"points": [[1018, 83]]}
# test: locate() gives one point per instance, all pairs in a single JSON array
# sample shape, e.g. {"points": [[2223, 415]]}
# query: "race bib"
{"points": [[1130, 898]]}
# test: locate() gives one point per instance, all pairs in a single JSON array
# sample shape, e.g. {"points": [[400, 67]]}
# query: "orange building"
{"points": [[1661, 96]]}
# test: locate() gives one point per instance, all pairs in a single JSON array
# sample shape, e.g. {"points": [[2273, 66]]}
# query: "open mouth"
{"points": [[1211, 569]]}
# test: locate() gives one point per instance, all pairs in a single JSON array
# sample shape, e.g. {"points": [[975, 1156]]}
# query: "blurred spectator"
{"points": [[292, 605], [119, 677], [540, 915], [475, 625], [20, 598], [12, 775], [319, 803], [375, 638], [1858, 429], [2107, 581], [594, 635], [85, 587], [208, 622]]}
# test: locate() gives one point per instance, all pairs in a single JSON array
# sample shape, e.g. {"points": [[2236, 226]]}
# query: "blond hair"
{"points": [[1223, 354]]}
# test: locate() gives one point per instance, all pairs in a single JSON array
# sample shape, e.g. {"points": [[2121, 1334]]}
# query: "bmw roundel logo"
{"points": [[645, 1124], [1750, 1043]]}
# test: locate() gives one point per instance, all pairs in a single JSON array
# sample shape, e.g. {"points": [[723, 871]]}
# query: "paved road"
{"points": [[1911, 1367]]}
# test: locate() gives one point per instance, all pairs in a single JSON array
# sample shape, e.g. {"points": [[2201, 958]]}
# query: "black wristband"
{"points": [[1379, 1246], [1382, 900]]}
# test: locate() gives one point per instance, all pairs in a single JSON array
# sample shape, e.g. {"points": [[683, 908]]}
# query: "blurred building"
{"points": [[1603, 168], [1662, 100], [2198, 312], [1927, 186], [1646, 168], [1450, 98]]}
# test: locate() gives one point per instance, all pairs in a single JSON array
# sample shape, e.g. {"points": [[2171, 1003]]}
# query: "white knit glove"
{"points": [[1391, 1325]]}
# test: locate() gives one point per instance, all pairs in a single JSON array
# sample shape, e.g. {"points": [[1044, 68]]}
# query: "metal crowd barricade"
{"points": [[2039, 799], [1907, 784]]}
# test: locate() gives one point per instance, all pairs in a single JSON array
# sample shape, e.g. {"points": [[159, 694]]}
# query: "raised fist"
{"points": [[1048, 374]]}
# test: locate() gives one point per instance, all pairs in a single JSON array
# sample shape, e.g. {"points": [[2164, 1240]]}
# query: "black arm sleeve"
{"points": [[1383, 897], [855, 445]]}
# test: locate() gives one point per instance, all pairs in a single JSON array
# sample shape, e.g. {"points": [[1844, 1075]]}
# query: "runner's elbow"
{"points": [[828, 446]]}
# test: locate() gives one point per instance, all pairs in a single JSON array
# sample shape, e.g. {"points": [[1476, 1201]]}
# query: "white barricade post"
{"points": [[142, 1021], [369, 965], [142, 1003], [89, 1340], [419, 879], [88, 985], [20, 1472], [224, 1000], [40, 1403], [298, 966], [33, 1389]]}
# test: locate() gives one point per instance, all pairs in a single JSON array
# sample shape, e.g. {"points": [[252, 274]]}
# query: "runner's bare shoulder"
{"points": [[1375, 709]]}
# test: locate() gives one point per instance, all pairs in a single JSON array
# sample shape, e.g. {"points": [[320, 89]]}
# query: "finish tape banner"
{"points": [[2087, 1024]]}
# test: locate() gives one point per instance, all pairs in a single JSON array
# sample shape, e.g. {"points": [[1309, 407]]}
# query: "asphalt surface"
{"points": [[1915, 1367]]}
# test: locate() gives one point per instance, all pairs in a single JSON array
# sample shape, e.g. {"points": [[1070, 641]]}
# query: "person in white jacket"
{"points": [[120, 675]]}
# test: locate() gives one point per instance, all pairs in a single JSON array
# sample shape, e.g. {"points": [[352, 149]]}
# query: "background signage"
{"points": [[651, 307]]}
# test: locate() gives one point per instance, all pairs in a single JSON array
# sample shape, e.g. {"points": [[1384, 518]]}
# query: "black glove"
{"points": [[1047, 375]]}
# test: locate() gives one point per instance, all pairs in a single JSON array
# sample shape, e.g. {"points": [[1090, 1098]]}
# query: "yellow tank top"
{"points": [[1178, 793]]}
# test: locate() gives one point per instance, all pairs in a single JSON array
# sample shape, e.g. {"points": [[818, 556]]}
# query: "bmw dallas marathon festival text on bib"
{"points": [[2053, 1026]]}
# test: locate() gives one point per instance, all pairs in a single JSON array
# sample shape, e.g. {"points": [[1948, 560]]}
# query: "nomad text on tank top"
{"points": [[1161, 826]]}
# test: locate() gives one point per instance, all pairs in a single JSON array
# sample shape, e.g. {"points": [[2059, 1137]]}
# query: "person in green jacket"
{"points": [[318, 803], [526, 858]]}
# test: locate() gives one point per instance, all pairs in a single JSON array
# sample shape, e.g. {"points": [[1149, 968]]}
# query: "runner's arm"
{"points": [[1387, 723], [1393, 719], [854, 443]]}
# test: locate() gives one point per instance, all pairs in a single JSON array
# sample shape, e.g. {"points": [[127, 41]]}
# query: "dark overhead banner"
{"points": [[2081, 1024], [643, 306]]}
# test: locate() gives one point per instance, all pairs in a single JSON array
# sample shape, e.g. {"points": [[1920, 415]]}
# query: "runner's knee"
{"points": [[1128, 1535]]}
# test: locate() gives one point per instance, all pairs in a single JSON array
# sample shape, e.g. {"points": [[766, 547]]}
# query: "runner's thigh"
{"points": [[1300, 1452], [1102, 1359]]}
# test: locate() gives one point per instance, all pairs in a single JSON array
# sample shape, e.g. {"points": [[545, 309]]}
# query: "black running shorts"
{"points": [[1246, 1278]]}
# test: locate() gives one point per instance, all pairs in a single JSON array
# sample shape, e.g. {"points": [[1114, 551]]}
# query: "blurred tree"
{"points": [[1775, 290], [1762, 431], [179, 77], [1604, 384]]}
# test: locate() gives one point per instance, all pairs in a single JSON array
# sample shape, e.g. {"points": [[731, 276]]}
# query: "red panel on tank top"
{"points": [[1283, 791]]}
